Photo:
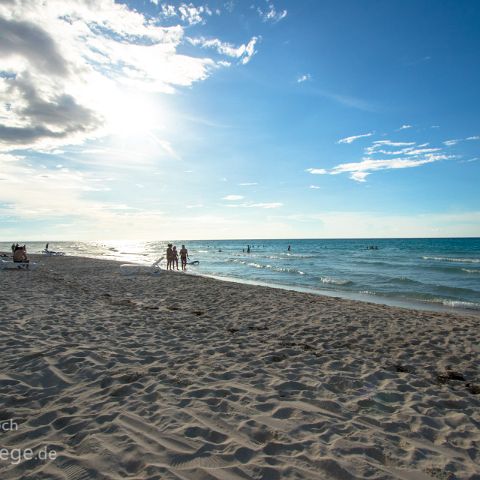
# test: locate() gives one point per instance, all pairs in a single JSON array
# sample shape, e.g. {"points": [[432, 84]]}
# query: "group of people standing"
{"points": [[172, 257]]}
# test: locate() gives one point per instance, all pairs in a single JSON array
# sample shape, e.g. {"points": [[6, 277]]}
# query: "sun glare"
{"points": [[131, 114]]}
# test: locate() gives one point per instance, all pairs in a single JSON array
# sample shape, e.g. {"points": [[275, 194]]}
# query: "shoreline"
{"points": [[353, 296], [377, 299], [435, 284], [181, 376]]}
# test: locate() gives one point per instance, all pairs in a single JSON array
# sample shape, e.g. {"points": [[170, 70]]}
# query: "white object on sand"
{"points": [[51, 253], [9, 265], [132, 269]]}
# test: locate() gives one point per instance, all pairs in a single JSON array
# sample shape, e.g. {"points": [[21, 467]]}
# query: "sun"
{"points": [[131, 114]]}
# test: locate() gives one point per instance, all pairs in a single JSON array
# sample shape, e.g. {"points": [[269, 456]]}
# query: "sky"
{"points": [[155, 120]]}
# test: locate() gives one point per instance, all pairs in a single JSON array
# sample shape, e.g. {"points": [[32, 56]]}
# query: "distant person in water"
{"points": [[248, 248], [169, 256], [175, 257], [183, 257], [289, 248], [46, 247], [20, 254]]}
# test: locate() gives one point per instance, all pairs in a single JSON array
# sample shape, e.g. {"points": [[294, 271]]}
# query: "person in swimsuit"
{"points": [[183, 257], [175, 257], [169, 257]]}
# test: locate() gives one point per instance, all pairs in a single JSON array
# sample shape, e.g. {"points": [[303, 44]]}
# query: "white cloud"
{"points": [[379, 147], [359, 170], [354, 137], [317, 171], [267, 205], [243, 52], [168, 10], [271, 14], [193, 15], [233, 198], [247, 184], [450, 143], [405, 127], [314, 187], [476, 137], [69, 66], [36, 192], [359, 176], [304, 78]]}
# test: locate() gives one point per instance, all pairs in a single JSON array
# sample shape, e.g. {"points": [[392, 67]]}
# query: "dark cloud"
{"points": [[60, 111], [27, 135], [32, 42], [55, 117]]}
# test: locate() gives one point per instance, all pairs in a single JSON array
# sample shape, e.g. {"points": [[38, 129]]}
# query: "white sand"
{"points": [[180, 377]]}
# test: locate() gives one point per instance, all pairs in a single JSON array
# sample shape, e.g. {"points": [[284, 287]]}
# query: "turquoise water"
{"points": [[431, 272]]}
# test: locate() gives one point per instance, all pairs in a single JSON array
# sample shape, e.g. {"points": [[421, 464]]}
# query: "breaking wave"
{"points": [[450, 259]]}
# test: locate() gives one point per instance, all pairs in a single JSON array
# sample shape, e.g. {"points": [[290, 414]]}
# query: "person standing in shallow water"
{"points": [[183, 257], [175, 257], [169, 256]]}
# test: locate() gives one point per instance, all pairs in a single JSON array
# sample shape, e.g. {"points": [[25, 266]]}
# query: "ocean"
{"points": [[435, 273]]}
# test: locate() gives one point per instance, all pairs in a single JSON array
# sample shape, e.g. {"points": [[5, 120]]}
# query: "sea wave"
{"points": [[451, 259], [456, 303], [335, 281], [403, 280], [451, 290], [469, 270], [268, 267]]}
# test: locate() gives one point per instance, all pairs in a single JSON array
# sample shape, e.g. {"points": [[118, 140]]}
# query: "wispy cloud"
{"points": [[455, 141], [402, 155], [233, 198], [248, 184], [380, 145], [270, 14], [360, 170], [314, 187], [193, 15], [304, 78], [354, 137], [405, 127], [243, 52], [267, 205]]}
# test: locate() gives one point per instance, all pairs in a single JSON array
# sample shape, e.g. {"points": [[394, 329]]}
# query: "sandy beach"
{"points": [[176, 376]]}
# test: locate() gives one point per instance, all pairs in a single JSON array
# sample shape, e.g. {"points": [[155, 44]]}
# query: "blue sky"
{"points": [[240, 119]]}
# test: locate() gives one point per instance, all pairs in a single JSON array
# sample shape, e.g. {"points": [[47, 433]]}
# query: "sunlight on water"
{"points": [[436, 272]]}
